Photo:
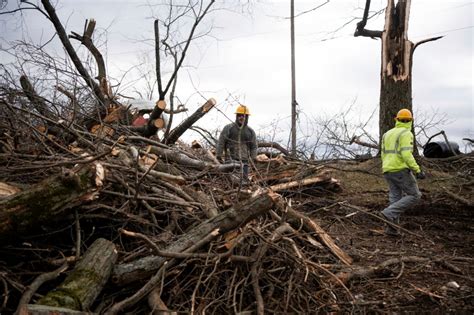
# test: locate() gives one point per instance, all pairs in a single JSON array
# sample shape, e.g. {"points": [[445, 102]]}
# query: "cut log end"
{"points": [[159, 123], [209, 105], [161, 104]]}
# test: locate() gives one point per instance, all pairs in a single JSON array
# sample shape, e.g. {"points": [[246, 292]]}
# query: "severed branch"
{"points": [[360, 29], [273, 145], [356, 140], [86, 40], [72, 53], [186, 124], [306, 182], [432, 39]]}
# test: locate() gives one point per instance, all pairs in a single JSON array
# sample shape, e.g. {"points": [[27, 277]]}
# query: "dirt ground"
{"points": [[439, 228]]}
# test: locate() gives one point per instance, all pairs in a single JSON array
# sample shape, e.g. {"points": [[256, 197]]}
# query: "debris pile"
{"points": [[120, 218]]}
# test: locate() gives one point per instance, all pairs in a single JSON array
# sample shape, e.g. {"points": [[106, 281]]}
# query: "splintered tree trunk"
{"points": [[397, 51], [397, 60], [85, 282], [44, 201]]}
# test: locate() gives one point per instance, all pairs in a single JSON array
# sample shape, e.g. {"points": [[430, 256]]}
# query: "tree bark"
{"points": [[397, 60], [396, 77], [45, 200], [72, 53], [273, 145], [224, 222], [86, 40], [83, 285], [323, 180], [186, 124]]}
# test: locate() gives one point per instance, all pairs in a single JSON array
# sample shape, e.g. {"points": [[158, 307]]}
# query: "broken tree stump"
{"points": [[83, 285], [44, 200], [224, 222]]}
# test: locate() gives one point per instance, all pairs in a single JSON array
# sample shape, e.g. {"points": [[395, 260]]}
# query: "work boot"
{"points": [[390, 229]]}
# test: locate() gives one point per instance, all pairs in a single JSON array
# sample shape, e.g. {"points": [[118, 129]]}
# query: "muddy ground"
{"points": [[440, 227]]}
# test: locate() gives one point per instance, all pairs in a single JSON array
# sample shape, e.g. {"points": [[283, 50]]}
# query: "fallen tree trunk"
{"points": [[44, 200], [84, 284], [186, 124], [224, 222]]}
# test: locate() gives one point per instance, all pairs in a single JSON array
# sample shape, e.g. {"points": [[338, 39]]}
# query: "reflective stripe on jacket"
{"points": [[397, 149]]}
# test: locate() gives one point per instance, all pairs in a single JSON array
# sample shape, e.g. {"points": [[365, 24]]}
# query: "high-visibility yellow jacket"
{"points": [[397, 149]]}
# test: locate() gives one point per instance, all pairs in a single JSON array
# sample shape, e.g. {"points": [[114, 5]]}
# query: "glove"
{"points": [[420, 175]]}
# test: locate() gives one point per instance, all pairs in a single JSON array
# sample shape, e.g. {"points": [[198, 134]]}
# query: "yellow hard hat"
{"points": [[404, 114], [243, 110]]}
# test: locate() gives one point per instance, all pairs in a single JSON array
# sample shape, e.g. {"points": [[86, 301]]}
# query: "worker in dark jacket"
{"points": [[400, 169], [237, 141]]}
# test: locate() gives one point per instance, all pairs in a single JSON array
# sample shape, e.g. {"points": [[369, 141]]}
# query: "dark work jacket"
{"points": [[240, 142]]}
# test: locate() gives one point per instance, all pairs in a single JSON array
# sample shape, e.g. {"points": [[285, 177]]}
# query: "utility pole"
{"points": [[293, 82]]}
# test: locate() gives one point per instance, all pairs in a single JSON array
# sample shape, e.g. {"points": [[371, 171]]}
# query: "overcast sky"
{"points": [[247, 58]]}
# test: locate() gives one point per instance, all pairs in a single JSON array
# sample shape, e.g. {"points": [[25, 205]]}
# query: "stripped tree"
{"points": [[397, 60]]}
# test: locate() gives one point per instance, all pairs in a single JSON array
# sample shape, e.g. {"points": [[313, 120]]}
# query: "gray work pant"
{"points": [[403, 193]]}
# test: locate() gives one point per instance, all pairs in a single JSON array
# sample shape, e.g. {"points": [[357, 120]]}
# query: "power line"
{"points": [[446, 31]]}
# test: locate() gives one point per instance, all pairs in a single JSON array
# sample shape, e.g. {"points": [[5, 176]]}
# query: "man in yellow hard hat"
{"points": [[399, 167], [238, 141]]}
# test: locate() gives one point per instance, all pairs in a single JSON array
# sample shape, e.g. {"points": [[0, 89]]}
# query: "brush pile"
{"points": [[103, 220]]}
